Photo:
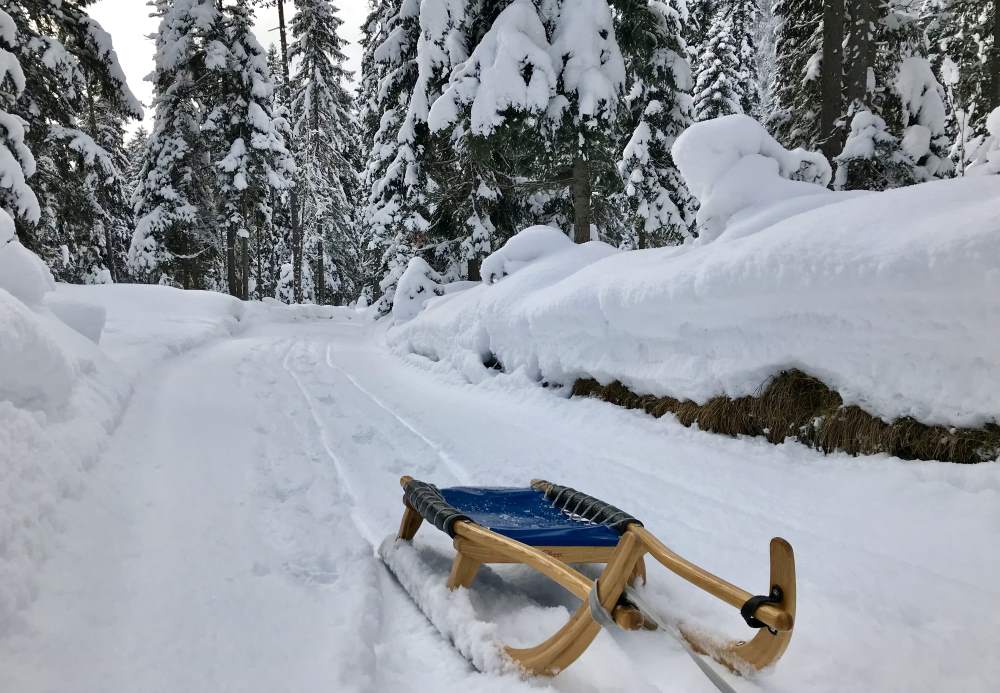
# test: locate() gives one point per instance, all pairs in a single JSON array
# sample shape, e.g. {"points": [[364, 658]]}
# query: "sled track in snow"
{"points": [[457, 470]]}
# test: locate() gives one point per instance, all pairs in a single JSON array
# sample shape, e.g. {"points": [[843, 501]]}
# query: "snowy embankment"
{"points": [[889, 298], [61, 395]]}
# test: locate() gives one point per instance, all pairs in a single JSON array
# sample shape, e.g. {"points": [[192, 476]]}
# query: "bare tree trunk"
{"points": [[833, 76], [231, 280], [297, 253], [244, 268], [582, 213], [321, 279]]}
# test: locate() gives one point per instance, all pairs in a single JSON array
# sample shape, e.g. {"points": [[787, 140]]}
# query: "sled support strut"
{"points": [[773, 614]]}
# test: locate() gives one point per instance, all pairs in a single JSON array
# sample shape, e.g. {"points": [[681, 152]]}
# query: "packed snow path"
{"points": [[226, 540]]}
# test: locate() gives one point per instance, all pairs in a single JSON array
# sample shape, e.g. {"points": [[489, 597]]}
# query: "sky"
{"points": [[130, 25]]}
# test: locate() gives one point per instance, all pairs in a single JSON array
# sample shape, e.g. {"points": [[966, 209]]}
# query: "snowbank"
{"points": [[889, 298], [61, 394]]}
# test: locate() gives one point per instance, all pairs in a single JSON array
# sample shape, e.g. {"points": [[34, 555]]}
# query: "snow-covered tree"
{"points": [[799, 51], [491, 111], [726, 79], [16, 161], [984, 157], [174, 242], [396, 219], [69, 64], [872, 158], [252, 159], [922, 101], [583, 114], [658, 109], [324, 127]]}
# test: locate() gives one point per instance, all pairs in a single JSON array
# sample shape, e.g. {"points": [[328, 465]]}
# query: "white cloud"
{"points": [[130, 26]]}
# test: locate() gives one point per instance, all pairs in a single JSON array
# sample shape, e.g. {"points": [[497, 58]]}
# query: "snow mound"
{"points": [[533, 243], [883, 296], [61, 395], [731, 164]]}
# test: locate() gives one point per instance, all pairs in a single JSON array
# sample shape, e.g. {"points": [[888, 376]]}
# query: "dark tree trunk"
{"points": [[231, 279], [859, 52], [244, 268], [294, 197], [321, 278], [833, 77], [474, 272], [582, 213]]}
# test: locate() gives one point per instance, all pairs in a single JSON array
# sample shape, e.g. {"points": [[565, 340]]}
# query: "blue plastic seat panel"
{"points": [[524, 515]]}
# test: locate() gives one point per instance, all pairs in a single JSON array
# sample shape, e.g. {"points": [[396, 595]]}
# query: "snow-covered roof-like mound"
{"points": [[889, 298]]}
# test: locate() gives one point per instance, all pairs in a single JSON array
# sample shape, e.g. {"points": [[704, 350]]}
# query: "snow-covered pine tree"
{"points": [[799, 51], [966, 36], [872, 158], [323, 127], [17, 200], [68, 61], [17, 163], [251, 157], [393, 217], [174, 240], [275, 261], [585, 111], [491, 111], [727, 70], [921, 99], [658, 109]]}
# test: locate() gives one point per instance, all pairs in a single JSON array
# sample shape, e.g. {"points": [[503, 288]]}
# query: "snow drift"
{"points": [[61, 395], [889, 298]]}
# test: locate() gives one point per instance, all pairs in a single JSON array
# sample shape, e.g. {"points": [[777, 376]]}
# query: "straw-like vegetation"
{"points": [[798, 406]]}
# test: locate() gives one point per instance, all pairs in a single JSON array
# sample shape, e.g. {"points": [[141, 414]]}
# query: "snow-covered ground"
{"points": [[226, 537]]}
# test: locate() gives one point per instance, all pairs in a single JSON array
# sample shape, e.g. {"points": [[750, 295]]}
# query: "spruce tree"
{"points": [[251, 158], [583, 115], [395, 218], [658, 110], [69, 64], [799, 51], [17, 164], [175, 241], [323, 128], [490, 115]]}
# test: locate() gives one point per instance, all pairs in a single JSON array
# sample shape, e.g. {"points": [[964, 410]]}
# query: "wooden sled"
{"points": [[548, 527]]}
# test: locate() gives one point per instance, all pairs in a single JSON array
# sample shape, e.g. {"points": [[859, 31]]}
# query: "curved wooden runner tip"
{"points": [[766, 648]]}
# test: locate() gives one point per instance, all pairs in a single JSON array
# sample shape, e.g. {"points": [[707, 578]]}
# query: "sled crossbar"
{"points": [[550, 527]]}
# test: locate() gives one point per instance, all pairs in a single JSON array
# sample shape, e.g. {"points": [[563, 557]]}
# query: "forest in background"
{"points": [[275, 173]]}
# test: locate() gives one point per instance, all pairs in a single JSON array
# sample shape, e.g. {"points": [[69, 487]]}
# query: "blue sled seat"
{"points": [[525, 515]]}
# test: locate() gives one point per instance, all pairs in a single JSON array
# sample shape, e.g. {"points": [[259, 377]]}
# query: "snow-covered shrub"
{"points": [[984, 159], [922, 99], [872, 158], [732, 164], [531, 244], [416, 286]]}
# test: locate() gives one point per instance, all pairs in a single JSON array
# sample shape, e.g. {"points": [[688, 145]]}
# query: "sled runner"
{"points": [[549, 527]]}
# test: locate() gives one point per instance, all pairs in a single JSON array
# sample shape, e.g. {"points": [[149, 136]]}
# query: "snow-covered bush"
{"points": [[872, 158], [418, 284], [922, 99], [984, 159], [531, 244], [731, 164]]}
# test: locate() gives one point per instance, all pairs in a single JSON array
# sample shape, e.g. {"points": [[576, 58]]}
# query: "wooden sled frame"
{"points": [[475, 545]]}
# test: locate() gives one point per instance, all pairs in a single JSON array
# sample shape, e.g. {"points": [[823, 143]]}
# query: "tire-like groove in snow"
{"points": [[454, 467]]}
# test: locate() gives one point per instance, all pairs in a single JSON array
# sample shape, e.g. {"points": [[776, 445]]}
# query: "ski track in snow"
{"points": [[227, 541]]}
